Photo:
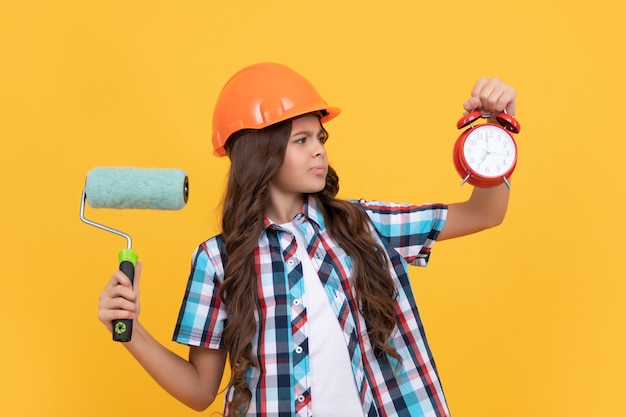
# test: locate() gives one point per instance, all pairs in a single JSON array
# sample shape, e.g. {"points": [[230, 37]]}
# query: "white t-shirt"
{"points": [[333, 390]]}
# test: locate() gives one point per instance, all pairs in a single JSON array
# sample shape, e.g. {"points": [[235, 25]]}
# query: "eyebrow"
{"points": [[307, 133]]}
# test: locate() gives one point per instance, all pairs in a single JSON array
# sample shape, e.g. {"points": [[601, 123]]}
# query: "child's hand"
{"points": [[119, 299], [491, 96]]}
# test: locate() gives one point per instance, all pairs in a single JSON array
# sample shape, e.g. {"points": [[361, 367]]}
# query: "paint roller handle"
{"points": [[123, 329]]}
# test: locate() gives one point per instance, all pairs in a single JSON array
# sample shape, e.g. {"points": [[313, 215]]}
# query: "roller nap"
{"points": [[137, 188]]}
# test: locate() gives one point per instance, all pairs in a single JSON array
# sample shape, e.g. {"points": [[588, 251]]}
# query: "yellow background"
{"points": [[524, 320]]}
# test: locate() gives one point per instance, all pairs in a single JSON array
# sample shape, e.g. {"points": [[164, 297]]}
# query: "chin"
{"points": [[315, 189]]}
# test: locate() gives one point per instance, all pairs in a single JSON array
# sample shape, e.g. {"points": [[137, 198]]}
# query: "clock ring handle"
{"points": [[508, 122], [468, 119]]}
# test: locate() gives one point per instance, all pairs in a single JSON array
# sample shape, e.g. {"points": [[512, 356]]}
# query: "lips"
{"points": [[319, 169]]}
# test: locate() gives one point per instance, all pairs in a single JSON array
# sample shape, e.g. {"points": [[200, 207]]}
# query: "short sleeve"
{"points": [[202, 315], [411, 230]]}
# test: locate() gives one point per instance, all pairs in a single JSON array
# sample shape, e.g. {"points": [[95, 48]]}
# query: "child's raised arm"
{"points": [[486, 207]]}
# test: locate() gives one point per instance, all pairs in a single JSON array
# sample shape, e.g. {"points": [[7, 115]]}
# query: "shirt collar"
{"points": [[310, 211]]}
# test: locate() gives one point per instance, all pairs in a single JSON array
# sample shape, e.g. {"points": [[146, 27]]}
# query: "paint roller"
{"points": [[132, 188]]}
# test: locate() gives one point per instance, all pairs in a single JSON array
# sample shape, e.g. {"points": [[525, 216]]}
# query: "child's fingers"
{"points": [[111, 309], [471, 104], [507, 101], [491, 95], [497, 96], [116, 308], [119, 278], [118, 300], [118, 291]]}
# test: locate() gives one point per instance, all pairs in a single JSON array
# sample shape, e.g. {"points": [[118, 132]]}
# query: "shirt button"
{"points": [[296, 302], [301, 398], [291, 262], [299, 350]]}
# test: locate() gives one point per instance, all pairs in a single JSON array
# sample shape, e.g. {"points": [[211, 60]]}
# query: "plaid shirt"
{"points": [[280, 387]]}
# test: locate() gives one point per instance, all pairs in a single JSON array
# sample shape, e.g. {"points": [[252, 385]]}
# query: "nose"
{"points": [[318, 148]]}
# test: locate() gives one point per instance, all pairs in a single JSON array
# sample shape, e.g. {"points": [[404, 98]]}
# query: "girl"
{"points": [[308, 295]]}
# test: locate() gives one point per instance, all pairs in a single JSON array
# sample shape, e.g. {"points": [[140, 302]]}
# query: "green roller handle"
{"points": [[123, 329]]}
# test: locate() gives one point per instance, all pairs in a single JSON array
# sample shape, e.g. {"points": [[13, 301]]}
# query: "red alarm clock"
{"points": [[485, 154]]}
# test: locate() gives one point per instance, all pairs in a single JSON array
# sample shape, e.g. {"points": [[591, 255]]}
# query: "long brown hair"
{"points": [[256, 156]]}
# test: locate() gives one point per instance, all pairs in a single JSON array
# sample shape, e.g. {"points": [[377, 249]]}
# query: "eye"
{"points": [[323, 138]]}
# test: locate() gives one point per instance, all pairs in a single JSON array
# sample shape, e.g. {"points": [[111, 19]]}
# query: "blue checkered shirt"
{"points": [[281, 385]]}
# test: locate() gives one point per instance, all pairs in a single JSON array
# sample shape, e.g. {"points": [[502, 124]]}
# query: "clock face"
{"points": [[489, 151]]}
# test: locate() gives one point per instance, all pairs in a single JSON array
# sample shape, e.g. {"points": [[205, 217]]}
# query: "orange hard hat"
{"points": [[261, 95]]}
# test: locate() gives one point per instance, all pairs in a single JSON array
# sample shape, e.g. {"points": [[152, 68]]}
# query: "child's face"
{"points": [[306, 164]]}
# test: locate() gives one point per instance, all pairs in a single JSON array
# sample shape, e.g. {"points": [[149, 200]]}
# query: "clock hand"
{"points": [[485, 155]]}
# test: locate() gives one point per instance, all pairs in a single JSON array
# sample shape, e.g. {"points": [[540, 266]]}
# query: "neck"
{"points": [[283, 208]]}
